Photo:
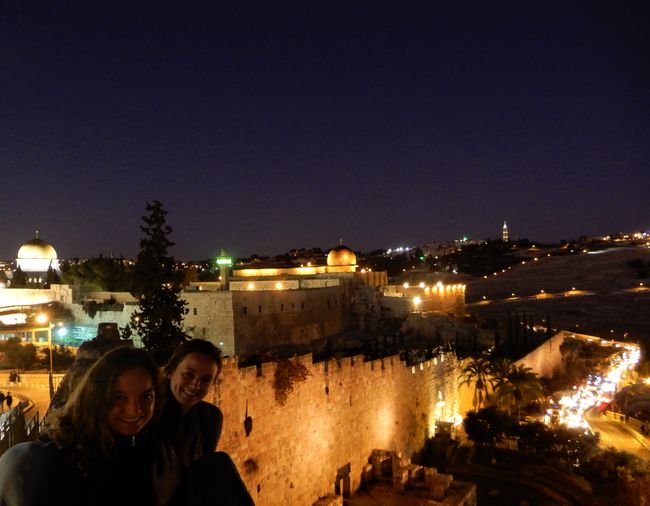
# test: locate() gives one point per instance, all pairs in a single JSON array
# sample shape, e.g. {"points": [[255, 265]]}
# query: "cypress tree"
{"points": [[157, 284]]}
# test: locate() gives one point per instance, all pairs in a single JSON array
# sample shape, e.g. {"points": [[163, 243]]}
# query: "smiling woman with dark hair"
{"points": [[192, 427], [98, 449], [189, 424]]}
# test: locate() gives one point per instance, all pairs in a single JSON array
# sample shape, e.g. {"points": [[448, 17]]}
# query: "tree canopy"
{"points": [[478, 372], [108, 274], [157, 283]]}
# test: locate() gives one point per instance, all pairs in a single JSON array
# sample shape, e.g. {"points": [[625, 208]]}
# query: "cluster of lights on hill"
{"points": [[542, 294], [439, 289]]}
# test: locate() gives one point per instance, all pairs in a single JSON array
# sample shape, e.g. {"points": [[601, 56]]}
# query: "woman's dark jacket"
{"points": [[40, 473], [193, 434]]}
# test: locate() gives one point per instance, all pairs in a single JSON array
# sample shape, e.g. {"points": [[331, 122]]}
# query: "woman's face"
{"points": [[134, 399], [192, 379]]}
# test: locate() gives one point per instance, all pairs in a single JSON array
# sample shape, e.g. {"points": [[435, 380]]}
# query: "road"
{"points": [[33, 386], [614, 434]]}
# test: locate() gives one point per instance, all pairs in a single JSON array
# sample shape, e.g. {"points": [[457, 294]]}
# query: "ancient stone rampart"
{"points": [[330, 424], [546, 359]]}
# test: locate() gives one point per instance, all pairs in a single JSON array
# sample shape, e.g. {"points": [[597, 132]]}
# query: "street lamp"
{"points": [[42, 319]]}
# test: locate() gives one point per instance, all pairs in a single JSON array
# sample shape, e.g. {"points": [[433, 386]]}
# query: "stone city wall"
{"points": [[546, 359], [332, 420], [25, 296], [264, 319], [210, 316]]}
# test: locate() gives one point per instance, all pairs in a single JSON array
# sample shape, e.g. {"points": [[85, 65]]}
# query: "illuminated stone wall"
{"points": [[448, 299], [335, 418], [248, 321], [265, 318], [546, 359], [239, 322], [210, 316], [25, 296]]}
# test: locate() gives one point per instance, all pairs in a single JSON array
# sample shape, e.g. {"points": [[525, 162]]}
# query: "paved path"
{"points": [[39, 396], [614, 434]]}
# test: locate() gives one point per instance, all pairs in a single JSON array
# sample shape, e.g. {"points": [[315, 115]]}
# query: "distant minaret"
{"points": [[504, 235]]}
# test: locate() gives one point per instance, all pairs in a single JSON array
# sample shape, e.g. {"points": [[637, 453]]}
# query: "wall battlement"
{"points": [[332, 420]]}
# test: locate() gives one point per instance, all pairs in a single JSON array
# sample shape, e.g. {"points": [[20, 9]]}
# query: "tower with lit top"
{"points": [[504, 234]]}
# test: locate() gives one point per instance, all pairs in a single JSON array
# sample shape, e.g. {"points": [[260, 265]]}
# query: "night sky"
{"points": [[268, 126]]}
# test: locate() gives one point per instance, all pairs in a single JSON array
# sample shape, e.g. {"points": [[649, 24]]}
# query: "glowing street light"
{"points": [[42, 318]]}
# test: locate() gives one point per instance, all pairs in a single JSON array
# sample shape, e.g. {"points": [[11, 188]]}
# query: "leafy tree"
{"points": [[500, 368], [16, 354], [190, 275], [557, 445], [487, 425], [62, 357], [478, 372], [521, 387], [157, 284], [100, 273], [619, 477]]}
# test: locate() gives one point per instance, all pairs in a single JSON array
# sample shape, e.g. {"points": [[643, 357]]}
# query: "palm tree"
{"points": [[522, 387], [500, 369], [478, 372]]}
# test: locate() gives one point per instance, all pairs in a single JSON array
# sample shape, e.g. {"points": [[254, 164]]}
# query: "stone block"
{"points": [[415, 472], [430, 475], [401, 479], [438, 491], [329, 500]]}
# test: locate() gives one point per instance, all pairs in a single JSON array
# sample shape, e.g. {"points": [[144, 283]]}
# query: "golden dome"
{"points": [[341, 255], [36, 249]]}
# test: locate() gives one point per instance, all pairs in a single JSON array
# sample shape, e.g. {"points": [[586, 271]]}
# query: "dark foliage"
{"points": [[487, 425], [107, 274], [157, 284]]}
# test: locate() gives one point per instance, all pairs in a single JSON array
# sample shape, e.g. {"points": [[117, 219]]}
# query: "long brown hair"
{"points": [[82, 423]]}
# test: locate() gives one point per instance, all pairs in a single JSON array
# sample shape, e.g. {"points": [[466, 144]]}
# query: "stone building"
{"points": [[271, 307]]}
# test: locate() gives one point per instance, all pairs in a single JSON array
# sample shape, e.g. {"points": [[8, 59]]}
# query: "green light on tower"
{"points": [[224, 261]]}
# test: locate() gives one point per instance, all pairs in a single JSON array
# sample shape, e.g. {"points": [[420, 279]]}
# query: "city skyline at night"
{"points": [[263, 128]]}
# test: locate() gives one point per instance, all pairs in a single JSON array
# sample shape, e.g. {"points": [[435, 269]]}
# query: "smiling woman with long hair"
{"points": [[98, 449], [192, 427]]}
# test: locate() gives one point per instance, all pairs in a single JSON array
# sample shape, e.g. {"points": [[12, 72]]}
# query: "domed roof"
{"points": [[341, 255], [36, 249]]}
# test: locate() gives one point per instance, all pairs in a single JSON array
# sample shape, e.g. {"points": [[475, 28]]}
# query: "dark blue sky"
{"points": [[264, 127]]}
